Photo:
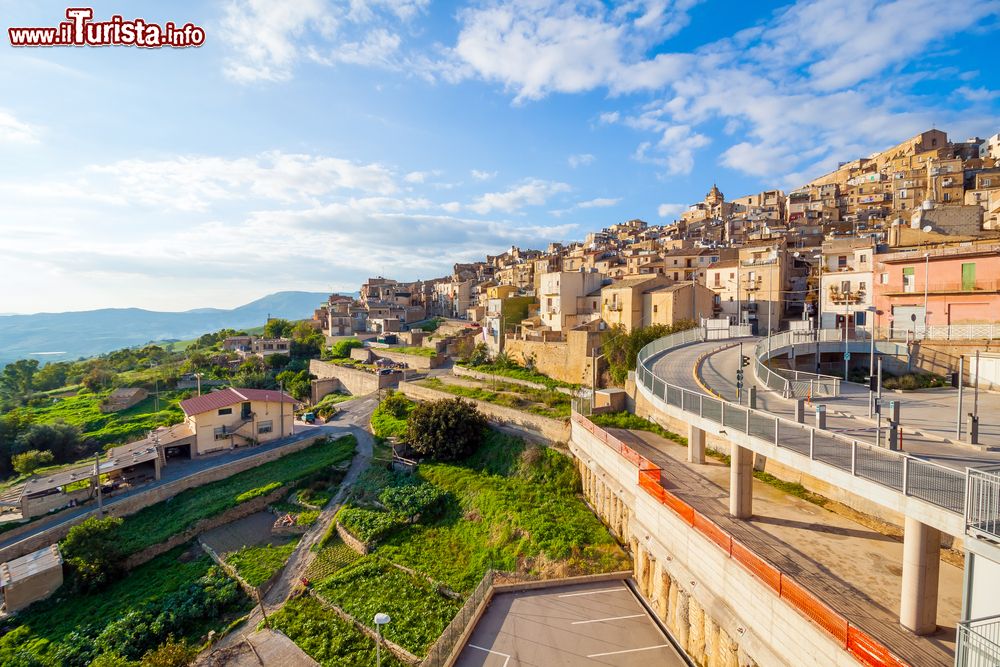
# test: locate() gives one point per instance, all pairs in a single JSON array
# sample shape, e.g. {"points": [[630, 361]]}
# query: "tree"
{"points": [[17, 378], [91, 551], [51, 376], [278, 328], [60, 438], [98, 379], [342, 348], [621, 347], [297, 384], [447, 429], [28, 462], [171, 653], [480, 355]]}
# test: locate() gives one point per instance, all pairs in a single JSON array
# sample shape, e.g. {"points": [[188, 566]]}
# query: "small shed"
{"points": [[31, 578]]}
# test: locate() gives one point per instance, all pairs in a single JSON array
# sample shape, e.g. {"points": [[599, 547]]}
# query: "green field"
{"points": [[326, 637], [419, 612], [545, 403], [58, 630], [257, 564], [158, 522], [412, 351], [520, 373], [331, 556], [83, 411]]}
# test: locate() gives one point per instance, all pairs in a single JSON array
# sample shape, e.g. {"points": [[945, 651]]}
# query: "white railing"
{"points": [[949, 332], [936, 484], [982, 508], [978, 643], [793, 384]]}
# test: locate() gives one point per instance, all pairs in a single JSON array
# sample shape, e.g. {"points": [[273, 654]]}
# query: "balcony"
{"points": [[978, 643], [843, 298], [978, 287]]}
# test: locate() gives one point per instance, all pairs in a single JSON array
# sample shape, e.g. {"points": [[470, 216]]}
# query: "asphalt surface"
{"points": [[578, 625]]}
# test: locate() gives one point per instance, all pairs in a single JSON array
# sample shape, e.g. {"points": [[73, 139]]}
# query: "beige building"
{"points": [[671, 304], [237, 417], [558, 295], [622, 300], [846, 282], [986, 194], [31, 578]]}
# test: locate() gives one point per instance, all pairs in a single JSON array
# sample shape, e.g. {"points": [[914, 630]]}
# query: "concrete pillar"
{"points": [[696, 444], [921, 562], [157, 467], [696, 638], [800, 410], [740, 482], [683, 632]]}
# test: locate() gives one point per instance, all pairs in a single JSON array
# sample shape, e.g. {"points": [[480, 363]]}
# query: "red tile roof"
{"points": [[230, 396]]}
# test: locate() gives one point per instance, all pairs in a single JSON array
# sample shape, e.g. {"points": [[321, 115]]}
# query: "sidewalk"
{"points": [[854, 569]]}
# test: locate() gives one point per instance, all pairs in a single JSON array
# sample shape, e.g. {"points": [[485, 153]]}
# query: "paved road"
{"points": [[176, 469]]}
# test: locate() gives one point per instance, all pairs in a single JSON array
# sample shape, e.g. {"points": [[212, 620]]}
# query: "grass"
{"points": [[371, 585], [513, 507], [325, 408], [83, 411], [389, 418], [545, 403], [257, 564], [520, 373], [330, 558], [39, 630], [327, 638], [158, 522], [367, 525], [412, 351]]}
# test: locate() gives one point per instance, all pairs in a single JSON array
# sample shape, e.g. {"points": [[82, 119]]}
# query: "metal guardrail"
{"points": [[907, 332], [936, 484], [982, 510], [978, 643], [442, 649], [793, 384]]}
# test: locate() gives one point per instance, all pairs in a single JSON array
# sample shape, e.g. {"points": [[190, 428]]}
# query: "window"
{"points": [[947, 196], [908, 279], [265, 427], [885, 278], [862, 287], [842, 262], [968, 277], [220, 433], [718, 279], [655, 308], [863, 258], [987, 182], [225, 411]]}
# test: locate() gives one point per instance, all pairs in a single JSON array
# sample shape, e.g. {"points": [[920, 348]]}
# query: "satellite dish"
{"points": [[927, 228], [796, 253]]}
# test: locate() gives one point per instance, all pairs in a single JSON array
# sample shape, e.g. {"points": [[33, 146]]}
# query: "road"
{"points": [[932, 414], [353, 417]]}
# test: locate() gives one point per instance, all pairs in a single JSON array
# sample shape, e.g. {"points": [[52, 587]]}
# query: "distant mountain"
{"points": [[61, 336]]}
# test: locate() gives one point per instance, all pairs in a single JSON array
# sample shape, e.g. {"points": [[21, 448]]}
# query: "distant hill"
{"points": [[62, 336]]}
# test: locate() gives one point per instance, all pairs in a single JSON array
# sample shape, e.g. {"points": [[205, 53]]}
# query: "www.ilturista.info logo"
{"points": [[81, 30]]}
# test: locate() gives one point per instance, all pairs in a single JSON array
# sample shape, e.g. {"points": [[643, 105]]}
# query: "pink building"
{"points": [[962, 286]]}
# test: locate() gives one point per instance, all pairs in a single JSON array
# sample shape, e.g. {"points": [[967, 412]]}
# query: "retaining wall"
{"points": [[532, 427], [331, 377]]}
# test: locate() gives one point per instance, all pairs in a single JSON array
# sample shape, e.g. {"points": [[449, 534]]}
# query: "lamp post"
{"points": [[819, 306], [380, 620]]}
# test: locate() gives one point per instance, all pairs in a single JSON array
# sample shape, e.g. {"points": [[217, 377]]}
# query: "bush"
{"points": [[369, 526], [257, 564], [31, 460], [342, 348], [258, 492], [389, 418], [413, 500], [622, 347], [446, 430], [92, 551]]}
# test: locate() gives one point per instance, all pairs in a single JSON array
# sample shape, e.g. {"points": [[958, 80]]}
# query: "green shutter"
{"points": [[968, 277]]}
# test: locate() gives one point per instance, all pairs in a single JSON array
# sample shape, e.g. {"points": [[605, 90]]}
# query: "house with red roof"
{"points": [[233, 417]]}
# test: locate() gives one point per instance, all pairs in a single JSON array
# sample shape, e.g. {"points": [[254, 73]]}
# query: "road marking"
{"points": [[629, 650], [506, 657], [603, 590], [602, 620]]}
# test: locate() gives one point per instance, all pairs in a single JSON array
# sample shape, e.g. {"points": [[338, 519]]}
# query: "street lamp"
{"points": [[380, 620], [819, 306], [927, 263]]}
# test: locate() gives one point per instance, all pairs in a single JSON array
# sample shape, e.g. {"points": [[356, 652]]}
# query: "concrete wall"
{"points": [[351, 380], [489, 377], [533, 427], [569, 360], [32, 589], [718, 612], [411, 360], [134, 503]]}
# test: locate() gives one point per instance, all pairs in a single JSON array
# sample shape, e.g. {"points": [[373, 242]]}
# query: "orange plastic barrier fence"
{"points": [[862, 646], [760, 568], [868, 651], [709, 529], [812, 608]]}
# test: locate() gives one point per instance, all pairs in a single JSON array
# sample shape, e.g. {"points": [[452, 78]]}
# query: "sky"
{"points": [[312, 144]]}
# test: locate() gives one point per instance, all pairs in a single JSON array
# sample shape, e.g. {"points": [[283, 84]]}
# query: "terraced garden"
{"points": [[545, 403]]}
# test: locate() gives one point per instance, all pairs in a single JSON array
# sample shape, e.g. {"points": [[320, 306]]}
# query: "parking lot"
{"points": [[583, 624]]}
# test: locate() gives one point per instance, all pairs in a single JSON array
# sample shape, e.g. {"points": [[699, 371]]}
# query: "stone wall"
{"points": [[351, 380], [569, 360], [461, 371], [411, 360], [134, 503], [523, 424]]}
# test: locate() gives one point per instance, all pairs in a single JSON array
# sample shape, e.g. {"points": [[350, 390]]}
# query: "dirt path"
{"points": [[355, 416]]}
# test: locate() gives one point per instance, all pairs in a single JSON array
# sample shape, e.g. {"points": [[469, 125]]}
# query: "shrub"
{"points": [[621, 347], [31, 460], [413, 500], [447, 429], [258, 492], [369, 526], [342, 348], [389, 419], [92, 552]]}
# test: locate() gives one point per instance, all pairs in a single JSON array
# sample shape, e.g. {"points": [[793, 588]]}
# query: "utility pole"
{"points": [[97, 481], [281, 406], [198, 376], [739, 305], [927, 263], [878, 402], [975, 395], [958, 419]]}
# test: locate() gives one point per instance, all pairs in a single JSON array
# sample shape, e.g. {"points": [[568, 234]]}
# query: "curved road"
{"points": [[931, 413]]}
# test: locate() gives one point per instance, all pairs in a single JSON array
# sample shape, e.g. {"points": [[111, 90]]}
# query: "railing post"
{"points": [[812, 441], [777, 422], [701, 405], [722, 418], [854, 458], [906, 475]]}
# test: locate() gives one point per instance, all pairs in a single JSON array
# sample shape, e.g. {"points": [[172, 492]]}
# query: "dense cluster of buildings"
{"points": [[905, 238]]}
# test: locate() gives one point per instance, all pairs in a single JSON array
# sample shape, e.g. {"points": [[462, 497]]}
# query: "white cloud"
{"points": [[675, 149], [451, 207], [420, 176], [599, 202], [580, 160], [16, 131], [532, 192], [610, 117], [483, 175], [981, 94], [670, 210]]}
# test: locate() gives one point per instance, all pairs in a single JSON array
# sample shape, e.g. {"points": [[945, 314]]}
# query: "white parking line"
{"points": [[603, 590], [506, 657], [602, 620], [629, 650]]}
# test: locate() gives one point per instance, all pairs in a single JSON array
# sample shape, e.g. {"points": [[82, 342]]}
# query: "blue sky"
{"points": [[309, 144]]}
